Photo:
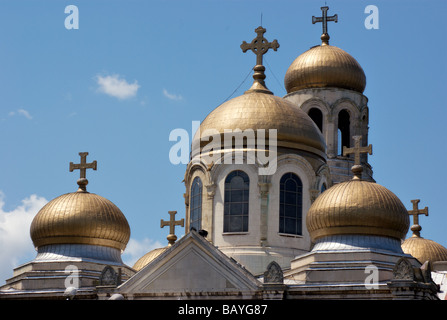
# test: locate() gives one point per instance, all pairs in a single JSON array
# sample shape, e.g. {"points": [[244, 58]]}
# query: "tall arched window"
{"points": [[237, 186], [291, 204], [195, 204], [317, 116], [344, 137]]}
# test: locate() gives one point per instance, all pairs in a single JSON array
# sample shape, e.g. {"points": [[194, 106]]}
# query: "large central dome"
{"points": [[258, 110]]}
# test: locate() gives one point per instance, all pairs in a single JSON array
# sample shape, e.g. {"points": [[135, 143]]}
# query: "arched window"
{"points": [[344, 136], [237, 186], [195, 204], [317, 116], [291, 204], [323, 188]]}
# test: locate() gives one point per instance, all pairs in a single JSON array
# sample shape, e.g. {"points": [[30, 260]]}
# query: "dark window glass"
{"points": [[195, 204], [237, 186], [290, 204]]}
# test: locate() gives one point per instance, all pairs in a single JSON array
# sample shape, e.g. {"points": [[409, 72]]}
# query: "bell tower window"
{"points": [[317, 116], [344, 136]]}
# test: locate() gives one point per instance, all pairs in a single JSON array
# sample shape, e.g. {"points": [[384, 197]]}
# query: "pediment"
{"points": [[192, 264]]}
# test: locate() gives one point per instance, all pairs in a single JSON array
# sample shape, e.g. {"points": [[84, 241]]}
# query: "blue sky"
{"points": [[136, 70]]}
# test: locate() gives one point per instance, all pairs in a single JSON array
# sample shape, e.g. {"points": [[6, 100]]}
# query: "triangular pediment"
{"points": [[192, 264]]}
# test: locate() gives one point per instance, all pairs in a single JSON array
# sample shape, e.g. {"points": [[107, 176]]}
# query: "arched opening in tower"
{"points": [[344, 136], [317, 116]]}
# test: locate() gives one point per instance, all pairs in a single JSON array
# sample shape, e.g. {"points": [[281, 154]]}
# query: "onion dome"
{"points": [[148, 258], [325, 66], [357, 207], [80, 218], [258, 109], [420, 248]]}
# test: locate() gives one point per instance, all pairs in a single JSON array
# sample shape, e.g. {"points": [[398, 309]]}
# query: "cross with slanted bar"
{"points": [[416, 228], [172, 223], [83, 166], [324, 19], [259, 45]]}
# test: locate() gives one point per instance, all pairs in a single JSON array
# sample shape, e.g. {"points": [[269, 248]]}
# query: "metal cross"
{"points": [[416, 228], [172, 223], [357, 150], [83, 166], [259, 45], [324, 19]]}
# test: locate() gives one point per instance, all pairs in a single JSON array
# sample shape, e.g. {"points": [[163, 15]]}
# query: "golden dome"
{"points": [[424, 249], [357, 207], [325, 66], [257, 110], [80, 218], [148, 258]]}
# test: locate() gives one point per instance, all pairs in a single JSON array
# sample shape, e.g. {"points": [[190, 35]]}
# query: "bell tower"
{"points": [[328, 83]]}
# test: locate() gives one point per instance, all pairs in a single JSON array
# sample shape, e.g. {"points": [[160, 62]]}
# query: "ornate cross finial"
{"points": [[82, 167], [357, 169], [416, 228], [324, 20], [172, 223], [259, 46]]}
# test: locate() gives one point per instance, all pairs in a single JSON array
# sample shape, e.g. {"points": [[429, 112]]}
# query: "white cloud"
{"points": [[15, 241], [21, 112], [116, 87], [137, 248], [172, 96]]}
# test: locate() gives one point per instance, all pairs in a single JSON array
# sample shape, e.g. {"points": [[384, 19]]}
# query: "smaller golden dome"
{"points": [[424, 249], [148, 258], [325, 66], [80, 218], [357, 207]]}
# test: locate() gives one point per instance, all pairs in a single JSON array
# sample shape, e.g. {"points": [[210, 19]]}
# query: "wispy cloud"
{"points": [[21, 112], [15, 240], [117, 87], [172, 96]]}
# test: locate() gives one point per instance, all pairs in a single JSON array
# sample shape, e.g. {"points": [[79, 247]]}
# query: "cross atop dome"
{"points": [[357, 168], [82, 167], [259, 46], [416, 228], [324, 20]]}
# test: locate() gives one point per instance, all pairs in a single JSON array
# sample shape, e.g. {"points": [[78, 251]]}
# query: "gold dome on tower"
{"points": [[80, 218], [325, 66]]}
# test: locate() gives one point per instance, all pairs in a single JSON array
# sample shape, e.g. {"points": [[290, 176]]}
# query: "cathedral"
{"points": [[280, 204]]}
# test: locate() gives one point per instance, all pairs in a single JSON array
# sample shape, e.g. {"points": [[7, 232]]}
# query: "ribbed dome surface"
{"points": [[255, 110], [424, 249], [148, 258], [357, 207], [80, 218], [325, 66]]}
